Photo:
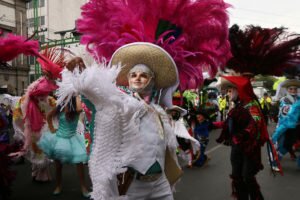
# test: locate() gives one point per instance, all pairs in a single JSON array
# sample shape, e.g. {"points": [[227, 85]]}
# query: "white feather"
{"points": [[116, 126], [181, 131]]}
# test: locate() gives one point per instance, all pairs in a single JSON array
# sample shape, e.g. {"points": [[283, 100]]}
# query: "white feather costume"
{"points": [[181, 131], [117, 141]]}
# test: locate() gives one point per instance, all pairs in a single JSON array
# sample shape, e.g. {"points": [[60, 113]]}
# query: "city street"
{"points": [[208, 183], [113, 71]]}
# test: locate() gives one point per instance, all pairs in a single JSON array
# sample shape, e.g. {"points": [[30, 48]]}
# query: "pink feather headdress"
{"points": [[263, 51], [193, 32], [12, 45]]}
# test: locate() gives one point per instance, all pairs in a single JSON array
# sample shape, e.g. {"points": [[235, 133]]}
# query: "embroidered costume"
{"points": [[115, 145], [176, 30]]}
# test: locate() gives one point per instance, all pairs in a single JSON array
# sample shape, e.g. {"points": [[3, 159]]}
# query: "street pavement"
{"points": [[210, 182]]}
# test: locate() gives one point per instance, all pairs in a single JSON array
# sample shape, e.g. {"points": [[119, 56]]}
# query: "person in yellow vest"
{"points": [[265, 103], [222, 106]]}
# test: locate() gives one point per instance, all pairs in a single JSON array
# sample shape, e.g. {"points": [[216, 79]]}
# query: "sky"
{"points": [[266, 13]]}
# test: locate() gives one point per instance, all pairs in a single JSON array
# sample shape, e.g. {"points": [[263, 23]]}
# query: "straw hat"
{"points": [[156, 58], [290, 82], [182, 111]]}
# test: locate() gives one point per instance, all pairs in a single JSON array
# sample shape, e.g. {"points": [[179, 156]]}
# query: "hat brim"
{"points": [[224, 84], [182, 111], [153, 56], [291, 82]]}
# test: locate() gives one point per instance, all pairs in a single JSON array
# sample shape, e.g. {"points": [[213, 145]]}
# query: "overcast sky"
{"points": [[266, 13]]}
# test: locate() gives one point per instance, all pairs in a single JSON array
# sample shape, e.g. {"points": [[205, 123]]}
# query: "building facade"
{"points": [[54, 21], [14, 74]]}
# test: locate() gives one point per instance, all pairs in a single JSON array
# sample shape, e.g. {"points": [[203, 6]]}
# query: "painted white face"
{"points": [[138, 80], [232, 94], [292, 90]]}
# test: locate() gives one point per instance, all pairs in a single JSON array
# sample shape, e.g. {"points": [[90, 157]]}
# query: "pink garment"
{"points": [[33, 113]]}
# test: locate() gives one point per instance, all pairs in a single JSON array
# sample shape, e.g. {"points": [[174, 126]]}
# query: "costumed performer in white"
{"points": [[187, 143], [132, 131]]}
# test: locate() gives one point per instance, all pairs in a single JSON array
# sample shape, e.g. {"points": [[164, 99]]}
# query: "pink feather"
{"points": [[12, 45], [108, 24]]}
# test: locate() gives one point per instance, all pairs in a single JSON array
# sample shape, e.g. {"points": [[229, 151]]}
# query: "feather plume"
{"points": [[194, 32], [52, 61], [12, 45], [262, 50]]}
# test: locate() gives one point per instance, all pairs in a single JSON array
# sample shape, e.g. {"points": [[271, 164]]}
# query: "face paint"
{"points": [[232, 94], [292, 90], [140, 79]]}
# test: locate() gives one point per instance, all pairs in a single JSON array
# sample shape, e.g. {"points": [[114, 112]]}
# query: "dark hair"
{"points": [[71, 109], [176, 115]]}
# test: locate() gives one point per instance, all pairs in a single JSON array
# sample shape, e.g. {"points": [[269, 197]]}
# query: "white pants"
{"points": [[155, 190]]}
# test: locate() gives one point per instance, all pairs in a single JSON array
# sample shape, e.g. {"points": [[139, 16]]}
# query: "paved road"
{"points": [[212, 182], [208, 183]]}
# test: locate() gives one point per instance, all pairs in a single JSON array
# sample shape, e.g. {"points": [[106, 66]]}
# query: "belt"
{"points": [[148, 177]]}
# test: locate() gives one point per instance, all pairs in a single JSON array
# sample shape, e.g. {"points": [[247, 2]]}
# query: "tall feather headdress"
{"points": [[193, 32], [265, 51], [52, 61]]}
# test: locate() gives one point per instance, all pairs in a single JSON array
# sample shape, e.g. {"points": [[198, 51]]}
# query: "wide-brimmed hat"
{"points": [[182, 111], [151, 55], [290, 82], [241, 83]]}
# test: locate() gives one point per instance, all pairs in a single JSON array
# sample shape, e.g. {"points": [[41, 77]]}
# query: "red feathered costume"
{"points": [[246, 132]]}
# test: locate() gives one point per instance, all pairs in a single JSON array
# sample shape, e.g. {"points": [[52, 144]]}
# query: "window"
{"points": [[31, 60], [29, 5], [31, 78], [42, 38], [42, 3], [42, 20], [23, 86], [30, 22]]}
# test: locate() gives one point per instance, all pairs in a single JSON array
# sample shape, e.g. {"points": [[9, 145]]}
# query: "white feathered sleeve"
{"points": [[117, 139], [182, 132]]}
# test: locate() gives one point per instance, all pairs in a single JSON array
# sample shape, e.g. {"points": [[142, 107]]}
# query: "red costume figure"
{"points": [[246, 132]]}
